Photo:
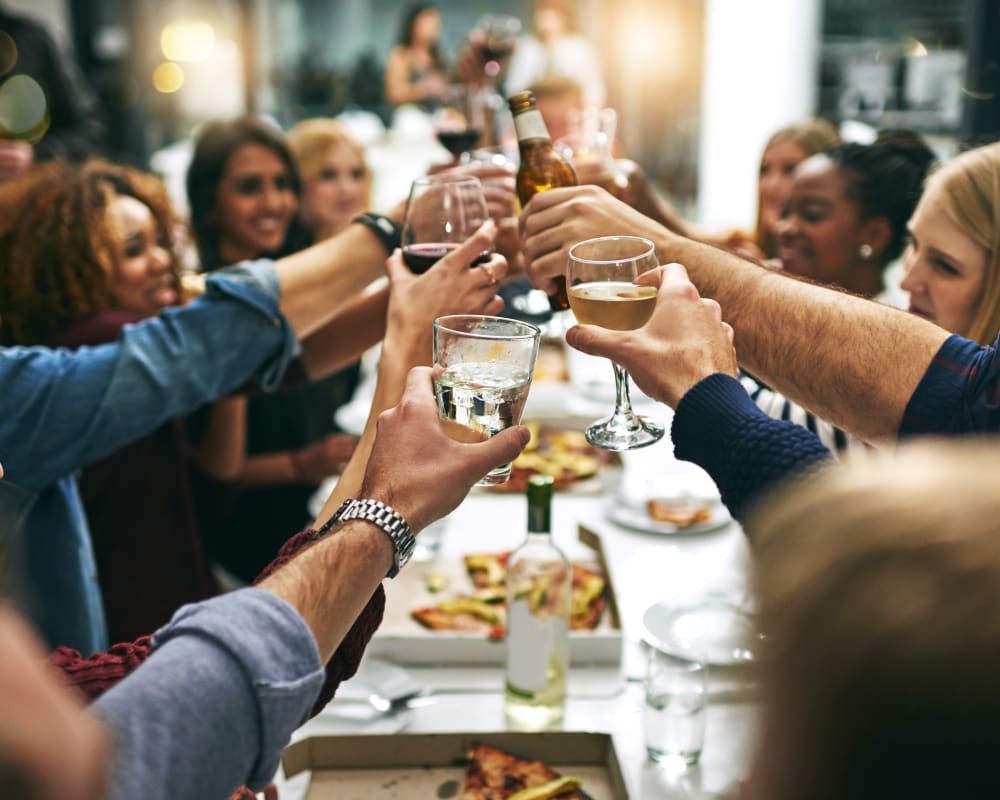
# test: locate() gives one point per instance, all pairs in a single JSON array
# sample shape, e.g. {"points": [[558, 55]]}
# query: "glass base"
{"points": [[624, 432], [495, 476]]}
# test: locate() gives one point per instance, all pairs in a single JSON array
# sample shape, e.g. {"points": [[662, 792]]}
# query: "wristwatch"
{"points": [[383, 516]]}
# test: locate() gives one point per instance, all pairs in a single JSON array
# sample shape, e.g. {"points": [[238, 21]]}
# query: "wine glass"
{"points": [[499, 34], [458, 122], [441, 212], [599, 275]]}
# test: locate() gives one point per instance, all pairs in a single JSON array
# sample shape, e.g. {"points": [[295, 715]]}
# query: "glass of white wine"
{"points": [[482, 372], [599, 275]]}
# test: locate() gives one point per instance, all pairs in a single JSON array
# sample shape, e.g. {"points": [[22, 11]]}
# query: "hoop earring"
{"points": [[865, 252]]}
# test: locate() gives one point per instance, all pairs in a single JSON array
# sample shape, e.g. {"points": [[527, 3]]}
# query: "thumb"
{"points": [[395, 268], [468, 251], [502, 448], [594, 341]]}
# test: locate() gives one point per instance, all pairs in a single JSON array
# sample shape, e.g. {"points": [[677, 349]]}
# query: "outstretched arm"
{"points": [[850, 361]]}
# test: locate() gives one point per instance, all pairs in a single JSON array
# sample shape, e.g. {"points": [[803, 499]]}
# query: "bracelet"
{"points": [[386, 229]]}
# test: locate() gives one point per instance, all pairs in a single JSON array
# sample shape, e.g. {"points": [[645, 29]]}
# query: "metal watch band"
{"points": [[383, 516]]}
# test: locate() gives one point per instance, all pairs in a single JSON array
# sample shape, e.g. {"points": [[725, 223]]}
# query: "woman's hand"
{"points": [[449, 287]]}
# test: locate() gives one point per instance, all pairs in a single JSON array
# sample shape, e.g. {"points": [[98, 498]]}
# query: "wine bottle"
{"points": [[541, 168], [539, 579]]}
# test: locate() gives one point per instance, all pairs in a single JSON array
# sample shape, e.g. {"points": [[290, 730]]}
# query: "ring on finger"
{"points": [[488, 269]]}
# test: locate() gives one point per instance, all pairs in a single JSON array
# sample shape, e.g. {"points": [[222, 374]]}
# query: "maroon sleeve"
{"points": [[95, 675]]}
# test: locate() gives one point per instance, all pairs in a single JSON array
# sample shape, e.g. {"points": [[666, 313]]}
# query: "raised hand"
{"points": [[420, 471], [557, 219], [683, 342]]}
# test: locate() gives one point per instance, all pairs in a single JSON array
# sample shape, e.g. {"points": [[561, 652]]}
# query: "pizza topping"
{"points": [[547, 790], [681, 515]]}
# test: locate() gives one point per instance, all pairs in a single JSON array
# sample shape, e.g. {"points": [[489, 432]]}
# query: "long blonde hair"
{"points": [[968, 189], [879, 594], [813, 136]]}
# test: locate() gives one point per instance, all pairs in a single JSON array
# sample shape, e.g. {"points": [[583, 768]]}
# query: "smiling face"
{"points": [[336, 191], [142, 278], [254, 205], [774, 184], [945, 270]]}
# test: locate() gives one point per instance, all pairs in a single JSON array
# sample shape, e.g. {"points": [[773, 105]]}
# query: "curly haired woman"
{"points": [[88, 249]]}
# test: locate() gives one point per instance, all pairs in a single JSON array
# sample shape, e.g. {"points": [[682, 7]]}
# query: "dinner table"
{"points": [[684, 569]]}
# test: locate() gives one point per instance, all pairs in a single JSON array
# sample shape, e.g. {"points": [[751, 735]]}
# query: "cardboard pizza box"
{"points": [[433, 765], [403, 640]]}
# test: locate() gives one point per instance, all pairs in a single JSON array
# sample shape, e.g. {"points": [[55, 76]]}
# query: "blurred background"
{"points": [[698, 84]]}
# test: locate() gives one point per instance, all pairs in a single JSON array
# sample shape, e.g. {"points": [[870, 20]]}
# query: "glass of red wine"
{"points": [[499, 34], [458, 122], [442, 211]]}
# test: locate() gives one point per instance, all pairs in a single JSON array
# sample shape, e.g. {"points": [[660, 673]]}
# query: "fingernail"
{"points": [[524, 434]]}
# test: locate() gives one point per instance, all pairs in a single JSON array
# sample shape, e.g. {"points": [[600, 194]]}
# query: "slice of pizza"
{"points": [[587, 598], [487, 570], [682, 516], [493, 774], [467, 614]]}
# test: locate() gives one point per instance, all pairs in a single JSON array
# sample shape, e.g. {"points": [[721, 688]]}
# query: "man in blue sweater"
{"points": [[871, 370]]}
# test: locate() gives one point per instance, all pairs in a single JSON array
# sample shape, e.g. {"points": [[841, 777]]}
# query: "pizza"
{"points": [[680, 514], [493, 774], [483, 609], [565, 455]]}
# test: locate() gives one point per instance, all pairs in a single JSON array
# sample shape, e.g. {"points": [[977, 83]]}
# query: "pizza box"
{"points": [[403, 640], [407, 765]]}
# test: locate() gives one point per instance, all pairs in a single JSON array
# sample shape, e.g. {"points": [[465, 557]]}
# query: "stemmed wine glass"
{"points": [[441, 213], [599, 275], [458, 122], [497, 39]]}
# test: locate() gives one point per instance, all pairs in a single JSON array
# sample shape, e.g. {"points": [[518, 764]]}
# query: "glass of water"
{"points": [[482, 372], [676, 705]]}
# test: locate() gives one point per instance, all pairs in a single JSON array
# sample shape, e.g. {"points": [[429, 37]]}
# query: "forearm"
{"points": [[270, 469], [399, 355], [342, 341], [332, 582], [221, 454], [851, 361], [747, 453], [318, 281]]}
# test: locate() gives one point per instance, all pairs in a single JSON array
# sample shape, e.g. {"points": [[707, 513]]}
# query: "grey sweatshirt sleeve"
{"points": [[214, 705]]}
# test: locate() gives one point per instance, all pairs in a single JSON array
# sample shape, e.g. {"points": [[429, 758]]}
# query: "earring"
{"points": [[865, 252]]}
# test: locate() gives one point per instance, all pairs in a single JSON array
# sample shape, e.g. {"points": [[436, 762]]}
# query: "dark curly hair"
{"points": [[886, 179], [213, 148], [57, 245]]}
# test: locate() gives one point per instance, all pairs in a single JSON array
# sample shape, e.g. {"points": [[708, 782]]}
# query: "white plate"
{"points": [[720, 630], [637, 518]]}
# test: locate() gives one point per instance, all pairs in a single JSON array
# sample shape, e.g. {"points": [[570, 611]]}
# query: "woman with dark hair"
{"points": [[415, 72], [244, 192], [845, 220]]}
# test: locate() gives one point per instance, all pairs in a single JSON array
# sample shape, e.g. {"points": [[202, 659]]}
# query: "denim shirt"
{"points": [[62, 410]]}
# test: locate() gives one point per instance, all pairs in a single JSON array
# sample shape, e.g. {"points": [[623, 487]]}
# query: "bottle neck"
{"points": [[530, 127]]}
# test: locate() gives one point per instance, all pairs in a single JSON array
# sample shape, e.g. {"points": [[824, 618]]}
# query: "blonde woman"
{"points": [[336, 180], [952, 263]]}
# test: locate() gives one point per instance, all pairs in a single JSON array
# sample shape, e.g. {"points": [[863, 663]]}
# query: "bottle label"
{"points": [[530, 125], [529, 646]]}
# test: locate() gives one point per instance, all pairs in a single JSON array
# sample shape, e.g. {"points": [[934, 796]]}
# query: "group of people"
{"points": [[160, 421]]}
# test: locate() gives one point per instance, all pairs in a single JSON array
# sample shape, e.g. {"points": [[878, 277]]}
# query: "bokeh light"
{"points": [[8, 53], [168, 77], [24, 111], [187, 41]]}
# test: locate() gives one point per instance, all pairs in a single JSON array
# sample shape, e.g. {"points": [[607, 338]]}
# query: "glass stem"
{"points": [[623, 403]]}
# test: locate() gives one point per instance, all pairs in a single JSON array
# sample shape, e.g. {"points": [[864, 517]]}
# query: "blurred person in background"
{"points": [[336, 180], [244, 192], [878, 587], [415, 72], [90, 249], [69, 121], [556, 47]]}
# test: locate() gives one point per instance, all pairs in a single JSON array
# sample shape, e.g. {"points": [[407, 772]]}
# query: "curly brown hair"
{"points": [[57, 246]]}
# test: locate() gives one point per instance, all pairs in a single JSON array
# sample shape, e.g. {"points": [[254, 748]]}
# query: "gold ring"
{"points": [[488, 268]]}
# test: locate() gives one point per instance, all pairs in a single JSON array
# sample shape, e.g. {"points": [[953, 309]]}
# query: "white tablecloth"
{"points": [[646, 568]]}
